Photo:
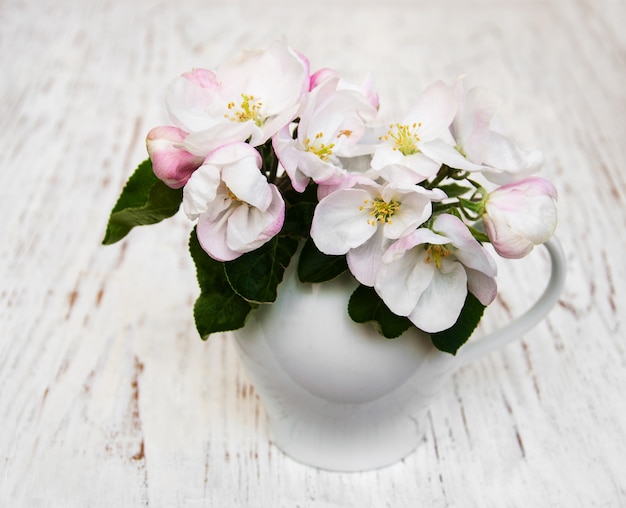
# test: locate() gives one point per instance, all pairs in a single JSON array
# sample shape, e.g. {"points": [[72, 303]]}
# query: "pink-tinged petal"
{"points": [[418, 237], [193, 107], [439, 306], [342, 180], [322, 76], [475, 111], [255, 73], [365, 261], [533, 186], [520, 215], [170, 163], [291, 157], [307, 64], [233, 152], [466, 248], [204, 141], [275, 215], [201, 189], [340, 222], [204, 78], [248, 228], [481, 286], [401, 282], [505, 240], [367, 89], [435, 109], [212, 237]]}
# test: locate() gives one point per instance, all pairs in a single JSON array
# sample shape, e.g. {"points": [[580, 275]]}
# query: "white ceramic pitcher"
{"points": [[340, 396]]}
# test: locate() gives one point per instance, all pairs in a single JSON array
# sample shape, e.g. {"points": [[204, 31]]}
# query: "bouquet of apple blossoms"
{"points": [[274, 162]]}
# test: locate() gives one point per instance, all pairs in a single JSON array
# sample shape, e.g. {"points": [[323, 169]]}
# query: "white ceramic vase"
{"points": [[338, 395]]}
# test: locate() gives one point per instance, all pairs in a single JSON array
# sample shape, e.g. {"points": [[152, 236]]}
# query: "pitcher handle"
{"points": [[530, 318]]}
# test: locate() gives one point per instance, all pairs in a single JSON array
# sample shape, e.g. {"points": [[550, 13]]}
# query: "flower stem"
{"points": [[442, 174]]}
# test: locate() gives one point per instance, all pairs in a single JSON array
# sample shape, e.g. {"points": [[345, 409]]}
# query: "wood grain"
{"points": [[107, 396]]}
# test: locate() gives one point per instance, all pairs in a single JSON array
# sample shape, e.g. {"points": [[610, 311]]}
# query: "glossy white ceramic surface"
{"points": [[340, 396]]}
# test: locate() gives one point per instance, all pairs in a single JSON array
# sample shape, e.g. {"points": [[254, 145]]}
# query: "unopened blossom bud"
{"points": [[520, 215], [170, 163]]}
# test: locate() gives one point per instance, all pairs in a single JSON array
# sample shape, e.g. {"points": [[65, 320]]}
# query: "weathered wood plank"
{"points": [[107, 397]]}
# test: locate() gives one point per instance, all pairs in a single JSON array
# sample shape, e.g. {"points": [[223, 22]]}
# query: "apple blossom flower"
{"points": [[366, 88], [426, 275], [403, 153], [481, 143], [237, 209], [363, 220], [249, 98], [170, 162], [331, 124], [520, 215]]}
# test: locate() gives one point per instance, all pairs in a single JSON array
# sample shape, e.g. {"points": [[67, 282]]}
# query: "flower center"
{"points": [[322, 150], [404, 137], [380, 210], [248, 109], [436, 253]]}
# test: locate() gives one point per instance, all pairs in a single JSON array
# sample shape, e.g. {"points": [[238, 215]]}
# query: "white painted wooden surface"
{"points": [[108, 398]]}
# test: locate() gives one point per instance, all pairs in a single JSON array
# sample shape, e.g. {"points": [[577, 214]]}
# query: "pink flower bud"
{"points": [[520, 215], [170, 163]]}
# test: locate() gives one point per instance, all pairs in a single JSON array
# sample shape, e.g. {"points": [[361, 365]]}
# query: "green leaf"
{"points": [[480, 236], [255, 275], [474, 206], [218, 308], [365, 306], [453, 338], [144, 200], [298, 219], [454, 190], [315, 266]]}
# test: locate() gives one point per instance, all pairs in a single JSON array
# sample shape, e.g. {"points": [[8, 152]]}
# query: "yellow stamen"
{"points": [[322, 150], [231, 195], [381, 211], [404, 137], [436, 253], [249, 109]]}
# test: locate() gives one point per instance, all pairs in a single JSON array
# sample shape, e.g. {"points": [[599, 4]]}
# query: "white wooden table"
{"points": [[107, 396]]}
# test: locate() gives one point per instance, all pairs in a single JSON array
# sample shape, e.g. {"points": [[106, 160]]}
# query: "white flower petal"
{"points": [[205, 141], [401, 282], [508, 160], [414, 209], [212, 238], [442, 152], [365, 261], [248, 227], [481, 286], [466, 248], [201, 189], [440, 304], [246, 182], [340, 222], [191, 106], [435, 109], [476, 108]]}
